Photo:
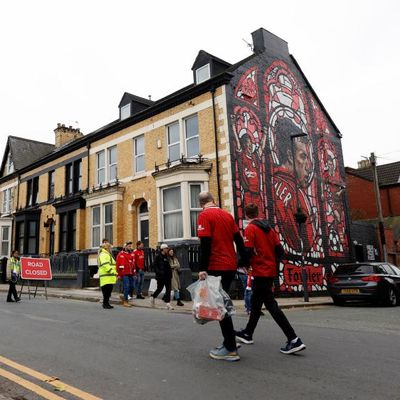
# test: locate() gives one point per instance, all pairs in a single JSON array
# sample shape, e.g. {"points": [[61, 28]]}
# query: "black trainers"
{"points": [[292, 348], [108, 306], [244, 337]]}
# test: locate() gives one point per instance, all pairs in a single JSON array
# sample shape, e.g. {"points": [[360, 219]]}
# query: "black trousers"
{"points": [[107, 290], [226, 324], [12, 291], [262, 294], [161, 282]]}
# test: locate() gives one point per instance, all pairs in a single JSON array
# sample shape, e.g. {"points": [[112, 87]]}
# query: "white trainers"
{"points": [[169, 306], [152, 301]]}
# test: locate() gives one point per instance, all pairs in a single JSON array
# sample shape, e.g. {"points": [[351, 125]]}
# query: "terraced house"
{"points": [[254, 131]]}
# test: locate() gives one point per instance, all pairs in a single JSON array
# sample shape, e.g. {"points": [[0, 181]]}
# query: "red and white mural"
{"points": [[287, 158]]}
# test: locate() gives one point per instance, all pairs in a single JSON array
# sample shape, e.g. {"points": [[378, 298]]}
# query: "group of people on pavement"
{"points": [[128, 268]]}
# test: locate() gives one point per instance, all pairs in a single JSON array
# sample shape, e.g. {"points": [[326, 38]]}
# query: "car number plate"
{"points": [[350, 291]]}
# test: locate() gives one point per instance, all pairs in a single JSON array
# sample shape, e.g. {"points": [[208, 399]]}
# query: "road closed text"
{"points": [[35, 268]]}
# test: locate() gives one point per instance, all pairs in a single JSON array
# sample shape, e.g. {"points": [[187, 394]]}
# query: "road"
{"points": [[138, 353]]}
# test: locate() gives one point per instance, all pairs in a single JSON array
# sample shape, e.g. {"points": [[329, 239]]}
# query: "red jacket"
{"points": [[139, 258], [125, 263]]}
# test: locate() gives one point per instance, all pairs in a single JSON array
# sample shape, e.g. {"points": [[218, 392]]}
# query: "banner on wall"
{"points": [[36, 269]]}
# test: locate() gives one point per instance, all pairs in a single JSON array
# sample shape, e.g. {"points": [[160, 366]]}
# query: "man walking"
{"points": [[217, 232], [163, 276], [265, 250], [138, 254]]}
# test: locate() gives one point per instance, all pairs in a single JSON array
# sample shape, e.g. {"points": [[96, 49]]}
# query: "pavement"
{"points": [[95, 295]]}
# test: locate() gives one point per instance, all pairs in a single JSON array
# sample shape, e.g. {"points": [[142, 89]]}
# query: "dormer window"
{"points": [[126, 111], [203, 73]]}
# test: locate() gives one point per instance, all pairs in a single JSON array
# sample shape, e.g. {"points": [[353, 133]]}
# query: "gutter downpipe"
{"points": [[212, 91]]}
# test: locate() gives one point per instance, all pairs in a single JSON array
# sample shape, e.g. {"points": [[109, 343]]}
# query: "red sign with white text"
{"points": [[38, 269]]}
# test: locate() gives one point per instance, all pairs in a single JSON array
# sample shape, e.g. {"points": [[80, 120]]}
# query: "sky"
{"points": [[71, 61]]}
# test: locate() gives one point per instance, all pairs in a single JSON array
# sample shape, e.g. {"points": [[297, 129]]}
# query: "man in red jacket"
{"points": [[265, 251], [126, 271], [138, 254], [218, 232]]}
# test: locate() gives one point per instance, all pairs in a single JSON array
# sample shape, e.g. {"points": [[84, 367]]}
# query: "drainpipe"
{"points": [[212, 91]]}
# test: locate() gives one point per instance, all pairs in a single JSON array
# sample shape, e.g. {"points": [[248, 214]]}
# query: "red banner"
{"points": [[292, 275], [35, 269]]}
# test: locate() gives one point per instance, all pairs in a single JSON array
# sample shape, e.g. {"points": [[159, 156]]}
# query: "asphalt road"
{"points": [[352, 353]]}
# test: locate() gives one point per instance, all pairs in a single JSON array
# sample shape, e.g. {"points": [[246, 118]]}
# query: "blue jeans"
{"points": [[246, 293], [139, 281], [128, 285]]}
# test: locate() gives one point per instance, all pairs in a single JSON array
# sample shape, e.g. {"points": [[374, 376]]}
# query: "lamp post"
{"points": [[300, 218]]}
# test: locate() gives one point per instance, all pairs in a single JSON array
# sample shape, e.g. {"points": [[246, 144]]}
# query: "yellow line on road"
{"points": [[49, 379], [29, 385]]}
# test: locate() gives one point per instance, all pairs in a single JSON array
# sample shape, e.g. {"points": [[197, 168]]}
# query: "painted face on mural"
{"points": [[303, 163]]}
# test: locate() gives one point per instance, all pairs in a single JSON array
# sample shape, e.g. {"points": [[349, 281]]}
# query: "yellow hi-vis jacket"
{"points": [[13, 268], [107, 268]]}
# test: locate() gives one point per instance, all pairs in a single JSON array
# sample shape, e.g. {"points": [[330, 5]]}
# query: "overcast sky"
{"points": [[66, 61]]}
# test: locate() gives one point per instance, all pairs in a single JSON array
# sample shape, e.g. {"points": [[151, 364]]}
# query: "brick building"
{"points": [[360, 188], [253, 131]]}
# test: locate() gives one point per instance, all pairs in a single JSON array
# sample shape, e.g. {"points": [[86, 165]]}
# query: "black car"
{"points": [[374, 282]]}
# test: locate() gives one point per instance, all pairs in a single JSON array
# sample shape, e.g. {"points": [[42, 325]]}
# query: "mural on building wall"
{"points": [[287, 158]]}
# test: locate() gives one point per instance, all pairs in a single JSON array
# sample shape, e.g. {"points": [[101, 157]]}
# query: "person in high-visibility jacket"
{"points": [[13, 273], [107, 273]]}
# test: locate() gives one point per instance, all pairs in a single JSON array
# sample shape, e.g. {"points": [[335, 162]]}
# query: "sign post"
{"points": [[35, 269]]}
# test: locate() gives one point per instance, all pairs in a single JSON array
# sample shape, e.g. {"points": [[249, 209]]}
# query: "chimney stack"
{"points": [[264, 40], [66, 134], [363, 164]]}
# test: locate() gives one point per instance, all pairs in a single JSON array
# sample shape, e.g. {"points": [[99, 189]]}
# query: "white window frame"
{"points": [[5, 240], [110, 164], [175, 211], [102, 225], [136, 155], [173, 144], [186, 139], [200, 70], [10, 164], [7, 201], [107, 166], [125, 111], [193, 209], [101, 168]]}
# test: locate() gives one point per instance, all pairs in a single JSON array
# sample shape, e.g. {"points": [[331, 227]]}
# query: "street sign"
{"points": [[35, 269]]}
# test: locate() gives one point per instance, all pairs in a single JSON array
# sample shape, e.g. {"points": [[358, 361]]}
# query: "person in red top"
{"points": [[138, 255], [217, 232], [265, 251], [126, 271]]}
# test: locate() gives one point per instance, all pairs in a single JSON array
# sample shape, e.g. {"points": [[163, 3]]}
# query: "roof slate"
{"points": [[388, 174]]}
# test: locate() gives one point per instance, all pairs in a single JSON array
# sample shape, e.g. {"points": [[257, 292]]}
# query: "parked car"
{"points": [[374, 282]]}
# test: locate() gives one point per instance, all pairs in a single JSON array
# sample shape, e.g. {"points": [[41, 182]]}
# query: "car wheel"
{"points": [[391, 298], [337, 301]]}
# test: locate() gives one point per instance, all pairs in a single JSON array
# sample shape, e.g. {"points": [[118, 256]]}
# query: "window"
{"points": [[32, 191], [73, 177], [112, 163], [32, 237], [174, 145], [203, 73], [125, 111], [139, 154], [192, 136], [172, 212], [7, 200], [51, 185], [5, 240], [195, 209], [101, 167], [68, 231], [102, 223], [106, 165], [20, 237]]}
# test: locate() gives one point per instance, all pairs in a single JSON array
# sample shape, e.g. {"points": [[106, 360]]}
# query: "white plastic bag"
{"points": [[208, 301]]}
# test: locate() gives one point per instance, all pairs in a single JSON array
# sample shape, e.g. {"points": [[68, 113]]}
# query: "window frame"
{"points": [[5, 241], [178, 142], [69, 230], [175, 211], [111, 165], [196, 210], [137, 155], [51, 185], [32, 191], [185, 136], [123, 110], [200, 69], [101, 168], [102, 223], [7, 201]]}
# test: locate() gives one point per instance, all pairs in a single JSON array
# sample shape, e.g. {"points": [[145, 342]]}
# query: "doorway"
{"points": [[143, 222]]}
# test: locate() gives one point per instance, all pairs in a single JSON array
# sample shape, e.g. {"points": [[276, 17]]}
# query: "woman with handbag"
{"points": [[13, 272], [176, 271]]}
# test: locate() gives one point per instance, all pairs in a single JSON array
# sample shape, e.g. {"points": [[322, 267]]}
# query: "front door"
{"points": [[144, 231]]}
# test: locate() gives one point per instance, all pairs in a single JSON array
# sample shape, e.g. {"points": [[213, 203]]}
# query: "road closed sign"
{"points": [[38, 269]]}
